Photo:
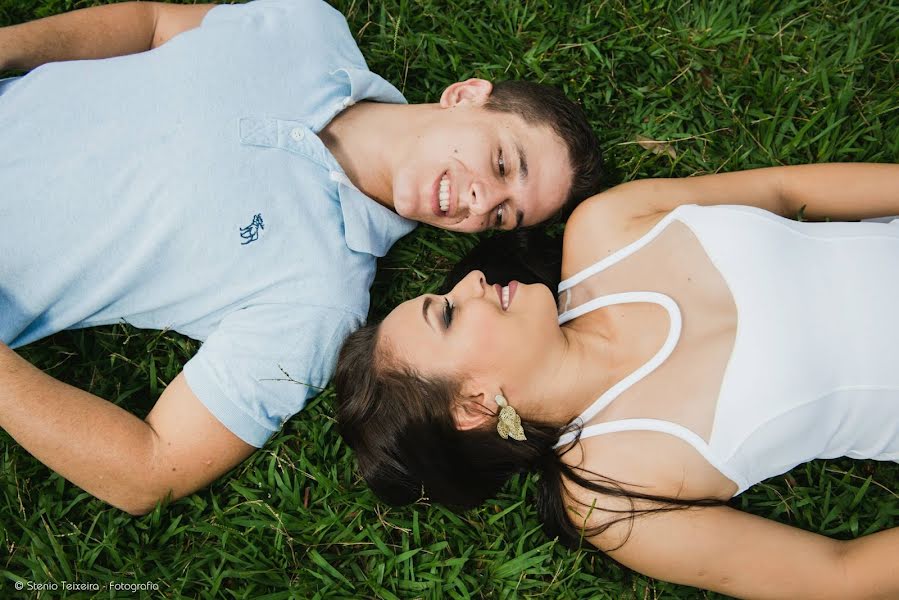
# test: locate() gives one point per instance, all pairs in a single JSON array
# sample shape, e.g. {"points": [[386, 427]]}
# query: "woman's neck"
{"points": [[594, 354], [576, 370]]}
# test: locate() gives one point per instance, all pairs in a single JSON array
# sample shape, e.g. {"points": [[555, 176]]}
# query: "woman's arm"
{"points": [[97, 32], [746, 556], [839, 191]]}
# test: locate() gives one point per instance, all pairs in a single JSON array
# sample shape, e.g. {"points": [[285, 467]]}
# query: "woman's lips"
{"points": [[513, 285], [506, 294]]}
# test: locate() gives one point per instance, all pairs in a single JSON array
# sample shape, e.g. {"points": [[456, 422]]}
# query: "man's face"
{"points": [[471, 169]]}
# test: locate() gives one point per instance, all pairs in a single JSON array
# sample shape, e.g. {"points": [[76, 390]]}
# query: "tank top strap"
{"points": [[674, 330], [659, 426], [621, 254]]}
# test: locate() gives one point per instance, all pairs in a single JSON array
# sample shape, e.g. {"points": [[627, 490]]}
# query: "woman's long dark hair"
{"points": [[401, 424]]}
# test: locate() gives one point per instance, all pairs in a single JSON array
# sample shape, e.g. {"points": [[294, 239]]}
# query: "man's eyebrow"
{"points": [[522, 162], [522, 176], [424, 312]]}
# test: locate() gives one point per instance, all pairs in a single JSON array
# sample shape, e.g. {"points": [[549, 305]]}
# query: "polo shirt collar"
{"points": [[365, 85], [369, 226]]}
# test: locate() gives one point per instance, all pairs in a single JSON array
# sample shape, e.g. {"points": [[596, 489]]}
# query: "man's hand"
{"points": [[97, 32], [131, 464]]}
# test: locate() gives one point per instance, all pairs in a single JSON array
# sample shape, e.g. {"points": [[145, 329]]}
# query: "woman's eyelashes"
{"points": [[447, 313]]}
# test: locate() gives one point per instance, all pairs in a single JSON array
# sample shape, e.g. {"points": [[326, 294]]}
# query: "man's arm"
{"points": [[131, 464], [97, 32]]}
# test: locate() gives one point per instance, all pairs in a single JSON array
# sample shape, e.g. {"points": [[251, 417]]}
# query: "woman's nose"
{"points": [[472, 285]]}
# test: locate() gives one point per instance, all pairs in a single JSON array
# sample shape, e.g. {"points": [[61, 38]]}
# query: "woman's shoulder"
{"points": [[603, 224], [606, 505], [641, 462]]}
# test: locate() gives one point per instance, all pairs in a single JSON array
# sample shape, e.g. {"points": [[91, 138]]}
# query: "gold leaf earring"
{"points": [[509, 423]]}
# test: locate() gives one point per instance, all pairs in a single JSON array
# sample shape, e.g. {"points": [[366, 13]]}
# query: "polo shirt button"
{"points": [[297, 133]]}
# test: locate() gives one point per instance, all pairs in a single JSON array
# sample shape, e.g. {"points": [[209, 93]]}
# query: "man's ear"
{"points": [[474, 91], [470, 412]]}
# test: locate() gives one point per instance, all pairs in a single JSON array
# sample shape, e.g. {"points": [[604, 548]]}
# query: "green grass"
{"points": [[732, 85]]}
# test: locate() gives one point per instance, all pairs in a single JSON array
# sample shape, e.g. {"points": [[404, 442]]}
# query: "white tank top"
{"points": [[814, 370]]}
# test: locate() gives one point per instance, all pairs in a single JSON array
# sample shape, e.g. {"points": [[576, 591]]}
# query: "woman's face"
{"points": [[490, 336]]}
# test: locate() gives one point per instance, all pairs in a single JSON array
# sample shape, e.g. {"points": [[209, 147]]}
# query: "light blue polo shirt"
{"points": [[185, 188]]}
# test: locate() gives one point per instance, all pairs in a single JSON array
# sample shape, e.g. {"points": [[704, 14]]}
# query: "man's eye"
{"points": [[447, 313], [500, 210], [501, 164]]}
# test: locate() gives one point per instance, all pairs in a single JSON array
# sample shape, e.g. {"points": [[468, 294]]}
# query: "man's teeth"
{"points": [[444, 193], [505, 297]]}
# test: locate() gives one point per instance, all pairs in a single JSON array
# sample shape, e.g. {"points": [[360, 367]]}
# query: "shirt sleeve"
{"points": [[262, 364], [7, 83], [285, 36], [303, 20]]}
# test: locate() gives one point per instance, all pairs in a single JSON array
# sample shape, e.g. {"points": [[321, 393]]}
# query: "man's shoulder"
{"points": [[308, 17]]}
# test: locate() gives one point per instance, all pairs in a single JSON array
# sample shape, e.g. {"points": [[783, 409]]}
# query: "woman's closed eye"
{"points": [[447, 313]]}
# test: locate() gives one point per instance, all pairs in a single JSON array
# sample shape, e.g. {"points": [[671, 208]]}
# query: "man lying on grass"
{"points": [[232, 173]]}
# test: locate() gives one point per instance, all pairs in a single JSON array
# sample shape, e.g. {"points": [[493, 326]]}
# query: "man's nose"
{"points": [[482, 199]]}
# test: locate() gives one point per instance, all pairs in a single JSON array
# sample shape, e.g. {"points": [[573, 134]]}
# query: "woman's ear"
{"points": [[470, 412], [474, 91]]}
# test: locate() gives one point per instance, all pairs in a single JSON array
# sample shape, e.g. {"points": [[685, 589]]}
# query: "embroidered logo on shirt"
{"points": [[250, 233]]}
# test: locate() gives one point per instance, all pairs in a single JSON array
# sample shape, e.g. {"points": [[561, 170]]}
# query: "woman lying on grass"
{"points": [[697, 350]]}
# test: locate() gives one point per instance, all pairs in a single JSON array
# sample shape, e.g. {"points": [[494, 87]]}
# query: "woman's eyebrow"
{"points": [[425, 314]]}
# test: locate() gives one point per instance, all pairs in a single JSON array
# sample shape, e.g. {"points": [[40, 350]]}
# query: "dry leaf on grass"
{"points": [[656, 146]]}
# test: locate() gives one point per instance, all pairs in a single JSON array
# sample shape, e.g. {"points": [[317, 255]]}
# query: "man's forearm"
{"points": [[97, 32], [89, 441]]}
